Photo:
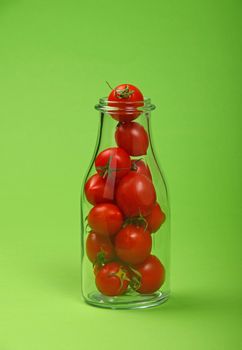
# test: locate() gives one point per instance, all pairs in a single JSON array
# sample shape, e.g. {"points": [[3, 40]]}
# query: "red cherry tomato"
{"points": [[148, 276], [113, 162], [105, 219], [133, 244], [156, 218], [135, 195], [133, 138], [99, 246], [99, 190], [140, 167], [126, 98], [112, 279]]}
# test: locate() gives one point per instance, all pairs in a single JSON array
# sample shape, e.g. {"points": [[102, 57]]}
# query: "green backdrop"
{"points": [[54, 59]]}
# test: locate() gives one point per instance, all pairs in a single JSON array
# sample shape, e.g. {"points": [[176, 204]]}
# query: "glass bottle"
{"points": [[124, 263]]}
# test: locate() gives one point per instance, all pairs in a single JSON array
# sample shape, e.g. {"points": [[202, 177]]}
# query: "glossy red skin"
{"points": [[135, 195], [108, 283], [96, 243], [127, 109], [99, 190], [105, 219], [156, 218], [133, 244], [140, 167], [152, 275], [118, 160], [133, 138]]}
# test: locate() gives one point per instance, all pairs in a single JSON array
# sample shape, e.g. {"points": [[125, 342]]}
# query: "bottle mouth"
{"points": [[127, 107]]}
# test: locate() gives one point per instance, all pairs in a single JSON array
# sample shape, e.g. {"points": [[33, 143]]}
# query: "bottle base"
{"points": [[127, 301]]}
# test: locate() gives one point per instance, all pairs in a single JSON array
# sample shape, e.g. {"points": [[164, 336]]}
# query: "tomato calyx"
{"points": [[136, 220], [122, 275], [135, 281], [134, 166], [107, 169], [100, 260], [124, 93]]}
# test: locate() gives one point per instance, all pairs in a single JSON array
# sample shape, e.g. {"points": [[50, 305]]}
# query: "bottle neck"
{"points": [[124, 107], [108, 127]]}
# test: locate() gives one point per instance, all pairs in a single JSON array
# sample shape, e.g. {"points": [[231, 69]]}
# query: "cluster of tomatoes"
{"points": [[125, 212]]}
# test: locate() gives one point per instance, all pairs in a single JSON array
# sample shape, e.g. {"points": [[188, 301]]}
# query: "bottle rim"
{"points": [[124, 106]]}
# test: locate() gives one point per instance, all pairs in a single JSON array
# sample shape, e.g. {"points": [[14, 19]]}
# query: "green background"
{"points": [[54, 59]]}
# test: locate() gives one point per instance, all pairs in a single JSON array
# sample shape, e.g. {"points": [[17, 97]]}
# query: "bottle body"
{"points": [[125, 218]]}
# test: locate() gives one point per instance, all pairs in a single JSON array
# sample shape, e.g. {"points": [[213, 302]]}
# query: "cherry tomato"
{"points": [[148, 276], [112, 279], [99, 190], [133, 244], [135, 195], [156, 218], [126, 98], [133, 138], [113, 162], [105, 219], [98, 246], [140, 167]]}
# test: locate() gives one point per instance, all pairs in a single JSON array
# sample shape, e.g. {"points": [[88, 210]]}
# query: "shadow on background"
{"points": [[64, 280], [196, 301]]}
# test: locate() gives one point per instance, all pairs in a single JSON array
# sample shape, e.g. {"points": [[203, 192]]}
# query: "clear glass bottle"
{"points": [[118, 271]]}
